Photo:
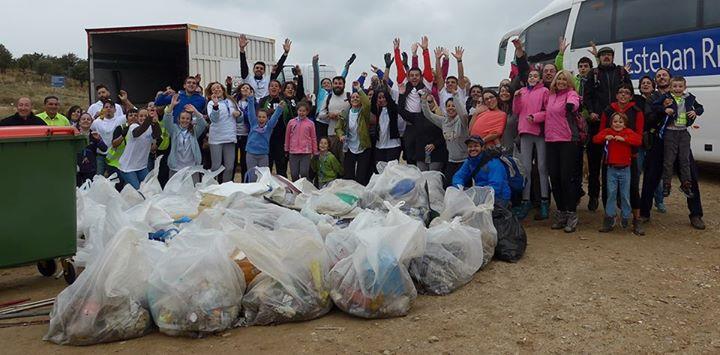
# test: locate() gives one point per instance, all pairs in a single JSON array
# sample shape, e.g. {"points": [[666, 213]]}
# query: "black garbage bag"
{"points": [[511, 236]]}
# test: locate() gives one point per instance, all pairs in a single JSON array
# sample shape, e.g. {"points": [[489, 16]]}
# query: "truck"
{"points": [[143, 60]]}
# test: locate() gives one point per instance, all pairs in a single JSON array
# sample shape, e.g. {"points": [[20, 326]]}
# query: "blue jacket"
{"points": [[691, 104], [493, 174], [259, 137], [174, 132], [195, 99]]}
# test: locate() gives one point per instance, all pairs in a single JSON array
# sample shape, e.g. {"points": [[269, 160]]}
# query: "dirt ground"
{"points": [[585, 292]]}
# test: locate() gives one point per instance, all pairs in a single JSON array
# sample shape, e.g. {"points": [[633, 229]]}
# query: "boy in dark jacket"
{"points": [[680, 110]]}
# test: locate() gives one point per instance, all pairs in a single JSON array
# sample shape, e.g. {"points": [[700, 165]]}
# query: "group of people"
{"points": [[544, 117]]}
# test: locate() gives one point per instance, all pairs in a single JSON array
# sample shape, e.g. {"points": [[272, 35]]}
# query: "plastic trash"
{"points": [[197, 289], [475, 206], [293, 265], [373, 281], [512, 239], [453, 254], [108, 300]]}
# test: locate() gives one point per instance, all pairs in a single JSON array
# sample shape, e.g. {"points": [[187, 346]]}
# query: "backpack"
{"points": [[578, 126], [516, 178]]}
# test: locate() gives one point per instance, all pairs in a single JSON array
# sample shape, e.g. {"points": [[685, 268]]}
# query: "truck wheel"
{"points": [[69, 272], [47, 267]]}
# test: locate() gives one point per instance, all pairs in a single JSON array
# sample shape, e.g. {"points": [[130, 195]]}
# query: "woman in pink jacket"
{"points": [[529, 101], [300, 142], [561, 150]]}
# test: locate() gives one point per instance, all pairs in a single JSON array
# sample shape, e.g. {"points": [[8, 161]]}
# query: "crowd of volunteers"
{"points": [[544, 120]]}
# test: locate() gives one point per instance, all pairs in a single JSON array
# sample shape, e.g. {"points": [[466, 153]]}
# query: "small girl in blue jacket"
{"points": [[258, 144]]}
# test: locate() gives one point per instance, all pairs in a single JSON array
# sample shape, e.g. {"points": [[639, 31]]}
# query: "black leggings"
{"points": [[562, 165], [357, 166]]}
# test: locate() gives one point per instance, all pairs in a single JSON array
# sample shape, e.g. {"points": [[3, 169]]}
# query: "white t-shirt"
{"points": [[412, 103], [337, 104], [105, 127], [260, 87], [137, 150], [353, 140], [224, 129], [444, 95], [384, 140], [96, 107]]}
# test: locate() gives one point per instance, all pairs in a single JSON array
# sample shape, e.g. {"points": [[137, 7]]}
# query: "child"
{"points": [[184, 146], [680, 110], [134, 160], [325, 164], [86, 159], [300, 142], [619, 141], [258, 142], [105, 125]]}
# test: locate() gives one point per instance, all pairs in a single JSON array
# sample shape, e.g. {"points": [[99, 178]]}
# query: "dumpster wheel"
{"points": [[69, 271], [47, 267]]}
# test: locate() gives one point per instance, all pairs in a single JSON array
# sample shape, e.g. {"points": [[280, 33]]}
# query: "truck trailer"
{"points": [[143, 60]]}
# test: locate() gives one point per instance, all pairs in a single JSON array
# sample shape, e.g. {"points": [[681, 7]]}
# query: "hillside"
{"points": [[14, 84]]}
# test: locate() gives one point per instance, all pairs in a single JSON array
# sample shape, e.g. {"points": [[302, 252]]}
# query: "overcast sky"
{"points": [[333, 29]]}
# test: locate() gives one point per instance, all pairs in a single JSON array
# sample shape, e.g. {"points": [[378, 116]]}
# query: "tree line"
{"points": [[69, 65]]}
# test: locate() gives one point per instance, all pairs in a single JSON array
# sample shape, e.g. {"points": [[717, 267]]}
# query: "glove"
{"points": [[388, 60], [351, 60], [569, 107]]}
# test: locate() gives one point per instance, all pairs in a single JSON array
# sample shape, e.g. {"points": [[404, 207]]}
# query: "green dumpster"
{"points": [[37, 195]]}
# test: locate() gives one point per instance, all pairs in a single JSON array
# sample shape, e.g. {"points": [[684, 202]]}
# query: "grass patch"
{"points": [[14, 84]]}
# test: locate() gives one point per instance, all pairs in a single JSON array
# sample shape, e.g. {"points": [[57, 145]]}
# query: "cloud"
{"points": [[333, 29]]}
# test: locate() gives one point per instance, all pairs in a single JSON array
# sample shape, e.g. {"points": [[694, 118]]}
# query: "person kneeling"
{"points": [[483, 170]]}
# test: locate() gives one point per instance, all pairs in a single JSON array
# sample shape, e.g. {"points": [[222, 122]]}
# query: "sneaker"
{"points": [[624, 223], [572, 222], [544, 211], [637, 228], [608, 225], [686, 188], [560, 220], [593, 204], [666, 190], [697, 222], [661, 207], [524, 209]]}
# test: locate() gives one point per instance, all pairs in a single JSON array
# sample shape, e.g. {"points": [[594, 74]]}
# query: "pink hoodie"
{"points": [[554, 116], [527, 103], [300, 137]]}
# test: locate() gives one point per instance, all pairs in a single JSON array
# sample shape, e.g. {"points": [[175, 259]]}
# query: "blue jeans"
{"points": [[100, 164], [134, 178], [618, 179]]}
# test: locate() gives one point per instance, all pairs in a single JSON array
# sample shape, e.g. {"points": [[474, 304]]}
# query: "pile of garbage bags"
{"points": [[197, 258]]}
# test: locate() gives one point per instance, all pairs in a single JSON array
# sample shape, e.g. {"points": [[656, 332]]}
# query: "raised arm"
{"points": [[458, 54], [316, 74], [439, 78], [281, 62], [427, 66], [401, 74], [138, 131], [348, 63], [276, 115], [243, 42], [429, 115], [251, 114]]}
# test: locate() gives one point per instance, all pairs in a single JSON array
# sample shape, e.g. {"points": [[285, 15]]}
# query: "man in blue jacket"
{"points": [[189, 96], [482, 170]]}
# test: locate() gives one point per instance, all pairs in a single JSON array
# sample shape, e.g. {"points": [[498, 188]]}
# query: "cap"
{"points": [[605, 50], [476, 139]]}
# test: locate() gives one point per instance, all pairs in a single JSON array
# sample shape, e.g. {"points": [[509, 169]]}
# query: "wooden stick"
{"points": [[10, 303], [38, 313], [24, 324], [25, 307]]}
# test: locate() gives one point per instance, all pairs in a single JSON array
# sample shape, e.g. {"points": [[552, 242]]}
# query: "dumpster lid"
{"points": [[36, 131]]}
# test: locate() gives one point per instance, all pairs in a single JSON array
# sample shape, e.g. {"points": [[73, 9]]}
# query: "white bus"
{"points": [[683, 36]]}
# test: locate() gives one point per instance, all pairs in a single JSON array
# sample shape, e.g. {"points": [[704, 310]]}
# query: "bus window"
{"points": [[541, 38], [645, 18], [711, 13], [593, 23]]}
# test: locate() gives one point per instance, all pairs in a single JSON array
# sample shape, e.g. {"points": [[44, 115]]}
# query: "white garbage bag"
{"points": [[453, 254], [373, 282]]}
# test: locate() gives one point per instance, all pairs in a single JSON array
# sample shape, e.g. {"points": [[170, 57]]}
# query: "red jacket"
{"points": [[619, 153]]}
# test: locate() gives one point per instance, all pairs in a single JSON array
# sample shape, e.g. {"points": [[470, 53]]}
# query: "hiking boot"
{"points": [[666, 189], [661, 207], [637, 228], [560, 220], [608, 224], [686, 188], [624, 223], [524, 209], [593, 204], [572, 222], [697, 222], [544, 211]]}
